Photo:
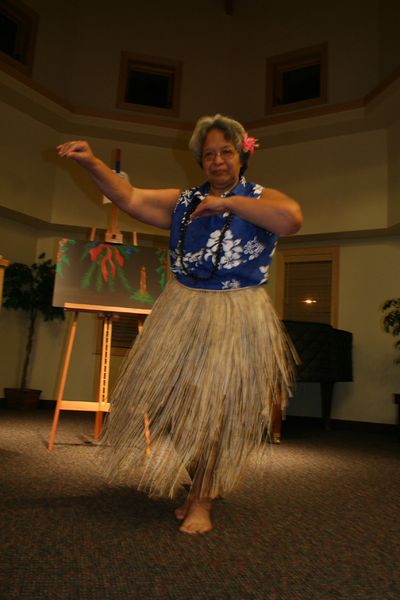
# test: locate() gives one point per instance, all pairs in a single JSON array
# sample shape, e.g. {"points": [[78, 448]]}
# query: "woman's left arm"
{"points": [[273, 210]]}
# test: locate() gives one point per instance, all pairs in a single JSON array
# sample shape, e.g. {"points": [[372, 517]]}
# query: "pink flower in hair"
{"points": [[249, 143]]}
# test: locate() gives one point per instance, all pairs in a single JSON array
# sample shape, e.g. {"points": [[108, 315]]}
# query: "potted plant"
{"points": [[391, 324], [29, 288], [391, 321]]}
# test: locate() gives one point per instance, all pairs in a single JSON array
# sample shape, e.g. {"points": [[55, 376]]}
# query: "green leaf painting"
{"points": [[106, 274]]}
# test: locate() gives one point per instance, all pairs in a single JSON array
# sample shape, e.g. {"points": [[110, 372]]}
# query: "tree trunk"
{"points": [[28, 349]]}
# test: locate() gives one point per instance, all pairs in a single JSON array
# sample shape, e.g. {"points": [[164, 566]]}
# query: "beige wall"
{"points": [[343, 168], [394, 173], [368, 277], [366, 281], [57, 30], [340, 182], [389, 39], [220, 52], [21, 243], [27, 169], [77, 201], [17, 243]]}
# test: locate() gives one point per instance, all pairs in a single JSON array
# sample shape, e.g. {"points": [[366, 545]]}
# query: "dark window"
{"points": [[8, 37], [18, 25], [301, 84], [297, 79], [307, 284], [150, 85], [308, 290], [125, 329], [149, 89]]}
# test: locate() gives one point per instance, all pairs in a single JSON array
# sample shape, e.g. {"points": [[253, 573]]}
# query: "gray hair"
{"points": [[233, 132]]}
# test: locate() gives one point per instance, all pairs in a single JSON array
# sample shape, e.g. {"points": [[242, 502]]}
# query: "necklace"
{"points": [[181, 242]]}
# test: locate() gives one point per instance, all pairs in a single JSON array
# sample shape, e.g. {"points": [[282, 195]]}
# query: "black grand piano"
{"points": [[326, 357]]}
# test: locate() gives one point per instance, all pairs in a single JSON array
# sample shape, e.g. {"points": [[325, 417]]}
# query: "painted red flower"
{"points": [[106, 259]]}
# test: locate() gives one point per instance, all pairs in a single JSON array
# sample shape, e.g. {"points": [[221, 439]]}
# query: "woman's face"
{"points": [[221, 162]]}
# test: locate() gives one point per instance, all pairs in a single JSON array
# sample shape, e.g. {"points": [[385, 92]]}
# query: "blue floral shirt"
{"points": [[247, 249]]}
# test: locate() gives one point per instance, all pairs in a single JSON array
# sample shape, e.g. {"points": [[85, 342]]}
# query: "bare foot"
{"points": [[183, 510], [198, 518]]}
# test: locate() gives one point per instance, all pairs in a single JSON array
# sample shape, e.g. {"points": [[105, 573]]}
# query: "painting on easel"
{"points": [[110, 275]]}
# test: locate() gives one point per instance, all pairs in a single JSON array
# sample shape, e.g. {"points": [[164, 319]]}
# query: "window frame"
{"points": [[29, 20], [290, 61], [285, 256], [137, 321], [149, 64]]}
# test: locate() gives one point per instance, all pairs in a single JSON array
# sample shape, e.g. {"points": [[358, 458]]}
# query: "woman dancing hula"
{"points": [[212, 358]]}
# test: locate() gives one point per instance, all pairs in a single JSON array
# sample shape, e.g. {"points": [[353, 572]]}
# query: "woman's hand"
{"points": [[78, 151], [154, 207], [209, 206], [273, 211]]}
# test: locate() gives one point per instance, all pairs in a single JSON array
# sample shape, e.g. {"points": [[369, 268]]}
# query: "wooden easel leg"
{"points": [[63, 380], [98, 424], [104, 372]]}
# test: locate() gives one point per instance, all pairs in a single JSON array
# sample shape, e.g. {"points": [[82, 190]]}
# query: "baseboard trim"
{"points": [[317, 422], [47, 404]]}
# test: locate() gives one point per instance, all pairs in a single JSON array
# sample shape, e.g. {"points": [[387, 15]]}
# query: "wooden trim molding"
{"points": [[279, 66], [170, 69], [26, 21], [177, 124]]}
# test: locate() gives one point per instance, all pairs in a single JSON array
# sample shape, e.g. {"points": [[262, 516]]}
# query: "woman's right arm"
{"points": [[154, 207]]}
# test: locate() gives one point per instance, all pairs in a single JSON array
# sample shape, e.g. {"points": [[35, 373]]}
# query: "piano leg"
{"points": [[326, 402], [276, 424], [396, 400]]}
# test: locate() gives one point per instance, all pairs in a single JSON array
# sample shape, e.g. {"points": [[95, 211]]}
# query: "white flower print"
{"points": [[241, 243], [231, 245], [173, 255], [187, 196], [272, 251], [257, 190], [265, 271], [230, 284], [231, 249], [175, 261], [253, 248], [212, 245], [230, 260], [194, 259]]}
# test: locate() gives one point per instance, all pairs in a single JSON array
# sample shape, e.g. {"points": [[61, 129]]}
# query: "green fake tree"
{"points": [[29, 288], [391, 321]]}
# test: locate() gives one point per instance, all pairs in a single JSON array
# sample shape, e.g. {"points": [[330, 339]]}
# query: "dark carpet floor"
{"points": [[323, 523]]}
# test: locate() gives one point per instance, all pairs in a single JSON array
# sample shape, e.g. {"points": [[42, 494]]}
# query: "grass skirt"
{"points": [[199, 384]]}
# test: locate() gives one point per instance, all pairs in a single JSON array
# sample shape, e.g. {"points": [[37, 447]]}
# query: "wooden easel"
{"points": [[113, 235], [102, 405]]}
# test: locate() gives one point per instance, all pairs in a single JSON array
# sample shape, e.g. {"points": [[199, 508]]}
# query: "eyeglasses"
{"points": [[225, 154]]}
